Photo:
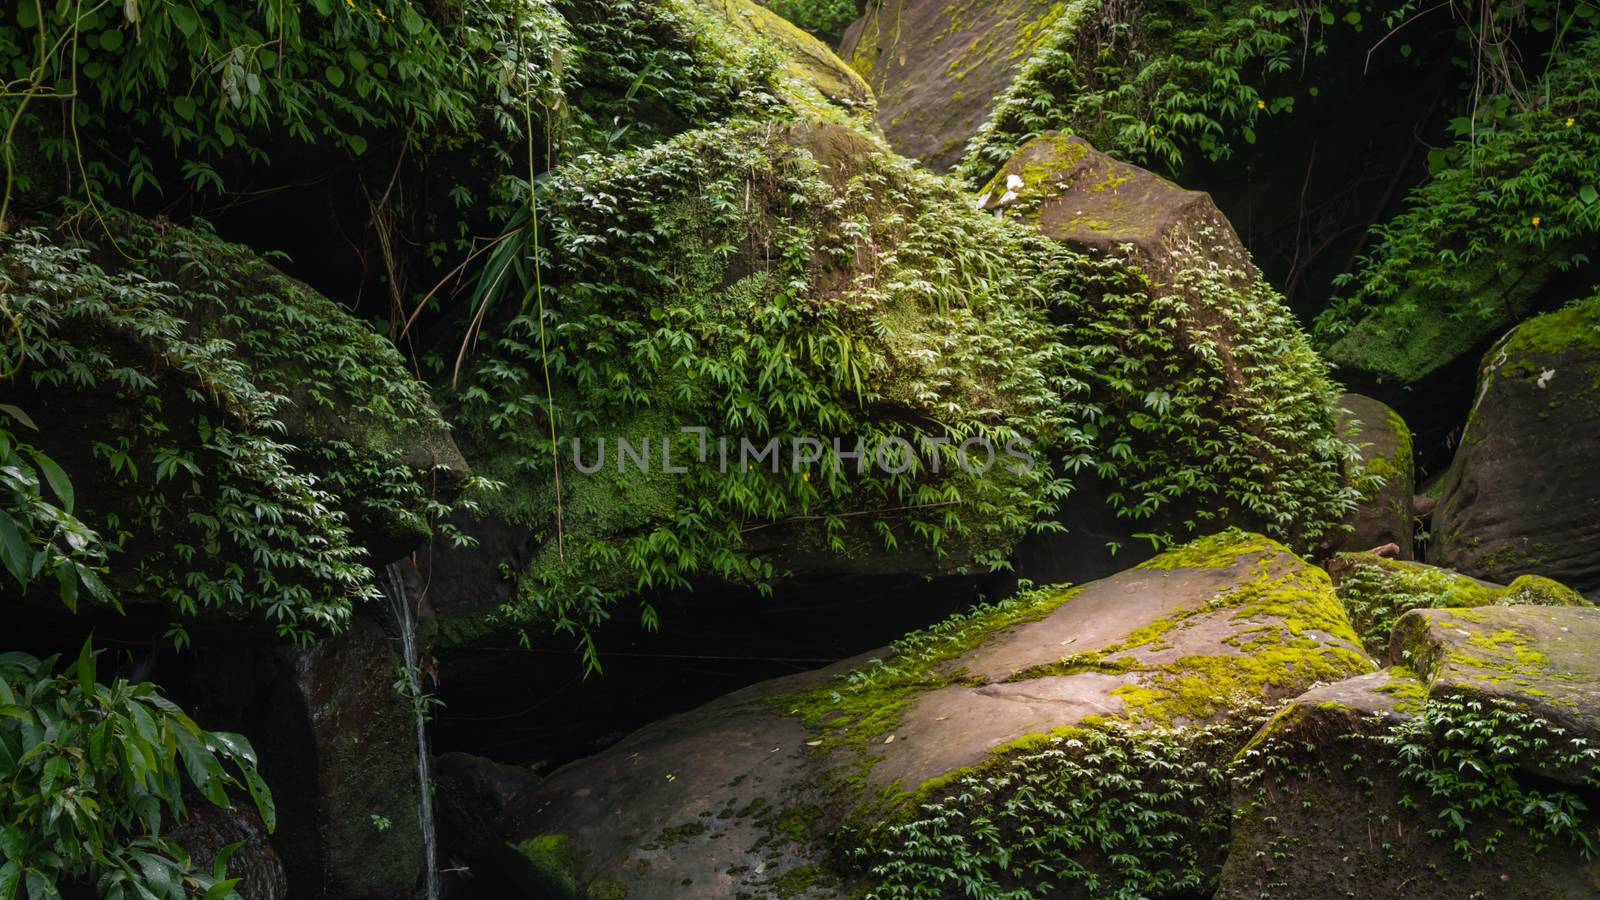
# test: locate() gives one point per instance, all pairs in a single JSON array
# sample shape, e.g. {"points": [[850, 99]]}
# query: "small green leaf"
{"points": [[86, 667], [111, 40], [334, 74], [185, 18], [59, 482], [17, 413], [1588, 194]]}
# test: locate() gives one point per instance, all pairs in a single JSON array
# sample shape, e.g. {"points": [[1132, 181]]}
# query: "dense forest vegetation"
{"points": [[799, 449]]}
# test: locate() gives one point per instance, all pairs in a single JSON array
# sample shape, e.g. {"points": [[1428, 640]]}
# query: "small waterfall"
{"points": [[400, 604]]}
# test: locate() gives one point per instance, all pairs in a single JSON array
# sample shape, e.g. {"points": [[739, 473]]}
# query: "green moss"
{"points": [[796, 882], [1408, 690], [1272, 651], [1575, 326], [1537, 590], [1218, 551], [677, 834], [554, 862], [866, 704], [606, 889], [1377, 591]]}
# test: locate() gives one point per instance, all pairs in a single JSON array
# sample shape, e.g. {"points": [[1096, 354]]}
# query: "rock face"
{"points": [[344, 762], [1176, 268], [1399, 345], [1334, 806], [734, 799], [1377, 591], [1087, 200], [1385, 514], [210, 829], [1522, 493], [937, 67], [810, 63], [1542, 657]]}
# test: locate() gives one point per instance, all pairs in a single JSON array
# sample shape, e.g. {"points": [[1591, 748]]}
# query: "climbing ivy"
{"points": [[1105, 809], [1157, 83], [220, 511], [1518, 185], [1465, 760], [93, 772]]}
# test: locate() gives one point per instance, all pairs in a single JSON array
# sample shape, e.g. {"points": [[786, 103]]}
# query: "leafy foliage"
{"points": [[220, 511], [40, 538], [709, 281], [1468, 757], [1156, 83], [326, 72], [91, 772], [1106, 810], [825, 18], [1519, 184], [727, 281]]}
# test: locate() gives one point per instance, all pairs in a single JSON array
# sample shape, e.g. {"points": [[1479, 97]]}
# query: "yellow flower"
{"points": [[1261, 104], [1536, 221], [1569, 121], [805, 476]]}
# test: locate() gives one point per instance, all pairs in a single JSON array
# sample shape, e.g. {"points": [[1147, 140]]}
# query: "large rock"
{"points": [[1414, 784], [1385, 514], [940, 320], [1541, 657], [1376, 591], [209, 830], [1087, 200], [1523, 492], [241, 441], [341, 755], [814, 71], [1229, 354], [937, 67], [745, 796], [1404, 342]]}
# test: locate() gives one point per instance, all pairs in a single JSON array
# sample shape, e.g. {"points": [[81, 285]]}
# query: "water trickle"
{"points": [[400, 604]]}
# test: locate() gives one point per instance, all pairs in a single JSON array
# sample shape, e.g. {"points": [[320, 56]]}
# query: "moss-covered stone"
{"points": [[937, 67], [1385, 474], [1349, 790], [755, 793], [819, 84], [246, 446], [1520, 494]]}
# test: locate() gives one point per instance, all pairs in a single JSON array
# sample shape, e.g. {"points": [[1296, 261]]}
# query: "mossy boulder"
{"points": [[1087, 200], [1178, 295], [761, 792], [1376, 591], [1401, 343], [815, 72], [802, 282], [242, 442], [1521, 493], [1348, 791], [1385, 515], [341, 751], [1451, 271], [937, 67], [1542, 657]]}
